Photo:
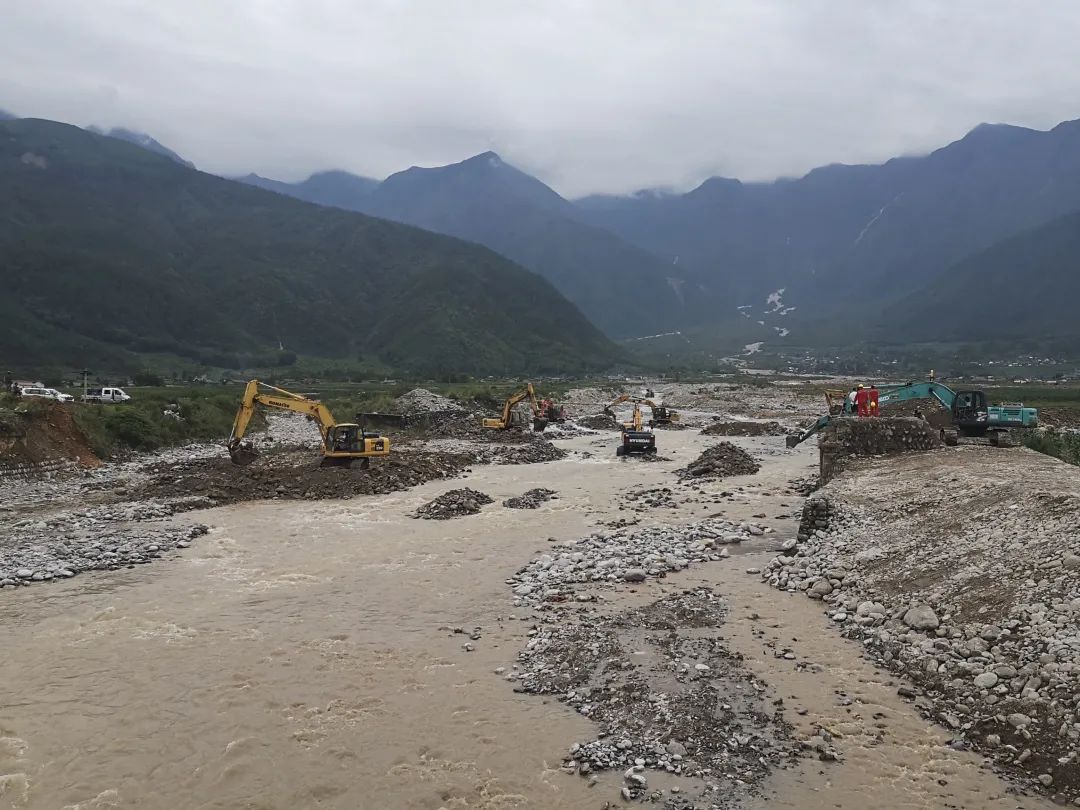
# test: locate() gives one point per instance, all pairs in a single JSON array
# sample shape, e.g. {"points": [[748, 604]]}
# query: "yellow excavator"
{"points": [[635, 437], [661, 415], [543, 411], [341, 443]]}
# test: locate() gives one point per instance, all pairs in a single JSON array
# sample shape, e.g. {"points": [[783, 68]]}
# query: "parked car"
{"points": [[46, 393], [103, 395]]}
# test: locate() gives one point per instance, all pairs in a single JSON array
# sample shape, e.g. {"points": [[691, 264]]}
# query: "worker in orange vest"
{"points": [[872, 400], [862, 401]]}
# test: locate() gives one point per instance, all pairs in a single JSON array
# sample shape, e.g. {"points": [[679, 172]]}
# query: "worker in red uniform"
{"points": [[872, 400], [862, 401]]}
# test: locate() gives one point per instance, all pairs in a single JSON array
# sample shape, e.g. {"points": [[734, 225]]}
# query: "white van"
{"points": [[105, 395], [46, 393]]}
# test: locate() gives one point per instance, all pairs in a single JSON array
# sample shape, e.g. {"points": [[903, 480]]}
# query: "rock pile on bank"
{"points": [[744, 428], [40, 552], [599, 421], [532, 499], [721, 461], [961, 571], [455, 503], [605, 559], [298, 476], [533, 448], [420, 401]]}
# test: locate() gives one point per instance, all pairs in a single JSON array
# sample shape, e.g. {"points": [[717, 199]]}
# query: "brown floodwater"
{"points": [[304, 655]]}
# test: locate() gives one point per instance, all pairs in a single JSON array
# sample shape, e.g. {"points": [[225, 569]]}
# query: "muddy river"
{"points": [[305, 655]]}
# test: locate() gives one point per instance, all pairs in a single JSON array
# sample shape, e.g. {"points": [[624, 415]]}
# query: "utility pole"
{"points": [[85, 373]]}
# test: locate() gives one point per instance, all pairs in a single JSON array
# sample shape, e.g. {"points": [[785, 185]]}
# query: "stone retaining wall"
{"points": [[872, 436], [11, 470]]}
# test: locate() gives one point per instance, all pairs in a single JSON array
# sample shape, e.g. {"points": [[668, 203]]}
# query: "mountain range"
{"points": [[813, 259], [112, 252], [968, 243], [624, 289]]}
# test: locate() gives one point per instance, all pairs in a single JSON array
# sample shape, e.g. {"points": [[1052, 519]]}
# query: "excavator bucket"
{"points": [[539, 424], [243, 454]]}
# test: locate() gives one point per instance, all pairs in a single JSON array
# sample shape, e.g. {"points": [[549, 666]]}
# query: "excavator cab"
{"points": [[971, 413], [345, 442]]}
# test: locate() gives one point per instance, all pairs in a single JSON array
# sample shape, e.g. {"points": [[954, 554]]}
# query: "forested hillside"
{"points": [[109, 251]]}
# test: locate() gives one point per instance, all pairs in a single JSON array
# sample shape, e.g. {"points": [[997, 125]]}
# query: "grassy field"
{"points": [[1037, 396]]}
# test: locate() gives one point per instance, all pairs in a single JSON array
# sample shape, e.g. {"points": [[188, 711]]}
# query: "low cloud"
{"points": [[606, 95]]}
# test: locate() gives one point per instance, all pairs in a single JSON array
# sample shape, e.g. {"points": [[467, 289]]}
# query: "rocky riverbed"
{"points": [[667, 697], [582, 570], [666, 694], [124, 513], [960, 569]]}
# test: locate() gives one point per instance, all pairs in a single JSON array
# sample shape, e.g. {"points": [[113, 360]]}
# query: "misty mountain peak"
{"points": [[484, 161], [143, 140]]}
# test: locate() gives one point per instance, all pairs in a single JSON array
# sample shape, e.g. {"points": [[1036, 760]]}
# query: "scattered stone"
{"points": [[531, 499], [455, 503], [921, 617]]}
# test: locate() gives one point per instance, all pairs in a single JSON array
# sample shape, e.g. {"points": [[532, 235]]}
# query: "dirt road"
{"points": [[343, 654]]}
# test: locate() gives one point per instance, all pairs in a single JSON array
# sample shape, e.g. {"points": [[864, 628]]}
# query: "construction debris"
{"points": [[531, 499], [455, 503], [720, 461]]}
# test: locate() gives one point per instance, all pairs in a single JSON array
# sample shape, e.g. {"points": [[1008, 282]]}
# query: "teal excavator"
{"points": [[971, 414]]}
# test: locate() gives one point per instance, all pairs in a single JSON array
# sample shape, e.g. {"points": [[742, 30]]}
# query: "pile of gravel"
{"points": [[289, 430], [421, 401], [720, 461], [600, 421], [744, 428], [455, 503], [532, 449], [531, 499], [571, 570]]}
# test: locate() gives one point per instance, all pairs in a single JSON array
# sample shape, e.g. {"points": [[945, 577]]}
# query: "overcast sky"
{"points": [[600, 95]]}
